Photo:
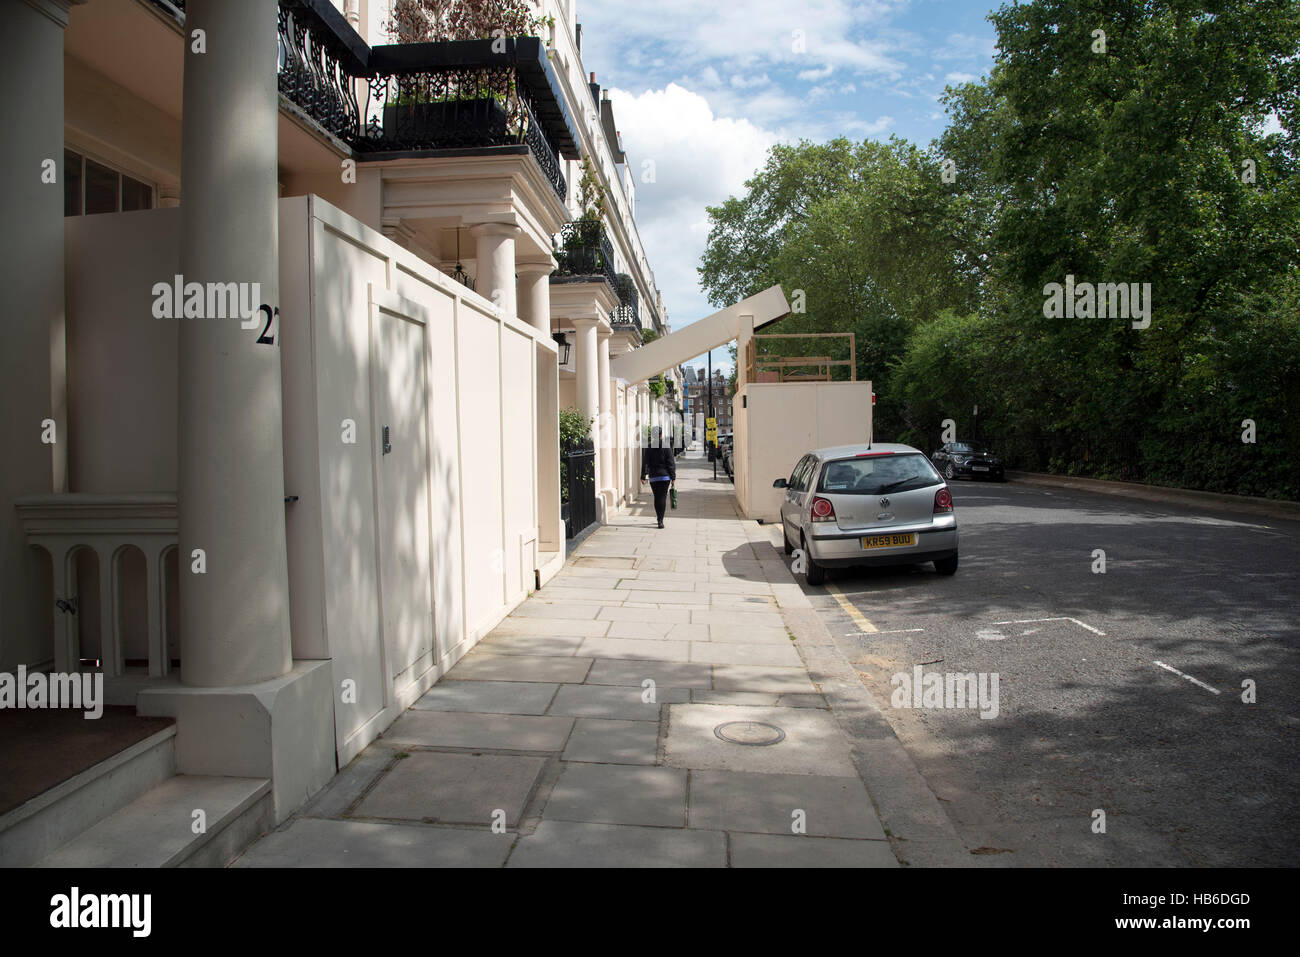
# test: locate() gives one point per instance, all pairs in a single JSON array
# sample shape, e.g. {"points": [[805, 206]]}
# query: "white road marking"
{"points": [[990, 634], [1188, 677], [899, 631], [1030, 621]]}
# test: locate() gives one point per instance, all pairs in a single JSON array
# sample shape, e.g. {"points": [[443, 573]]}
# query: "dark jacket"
{"points": [[657, 462]]}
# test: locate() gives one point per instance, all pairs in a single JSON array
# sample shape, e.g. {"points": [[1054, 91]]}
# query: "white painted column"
{"points": [[586, 364], [606, 417], [234, 618], [32, 356], [535, 293], [495, 272]]}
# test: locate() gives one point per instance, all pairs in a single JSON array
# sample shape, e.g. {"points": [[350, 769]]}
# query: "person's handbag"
{"points": [[672, 495]]}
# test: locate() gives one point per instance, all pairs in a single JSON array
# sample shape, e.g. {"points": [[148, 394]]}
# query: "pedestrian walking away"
{"points": [[659, 465]]}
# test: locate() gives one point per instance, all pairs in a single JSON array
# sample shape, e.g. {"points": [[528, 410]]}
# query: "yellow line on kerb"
{"points": [[859, 619]]}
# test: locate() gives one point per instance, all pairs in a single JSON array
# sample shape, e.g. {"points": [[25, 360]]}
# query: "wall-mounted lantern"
{"points": [[562, 341]]}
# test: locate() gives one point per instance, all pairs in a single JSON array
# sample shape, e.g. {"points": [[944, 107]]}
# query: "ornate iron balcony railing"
{"points": [[585, 251], [628, 310], [417, 97]]}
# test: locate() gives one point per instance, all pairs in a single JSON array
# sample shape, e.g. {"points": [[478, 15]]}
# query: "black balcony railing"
{"points": [[465, 95], [585, 251], [628, 312], [412, 98]]}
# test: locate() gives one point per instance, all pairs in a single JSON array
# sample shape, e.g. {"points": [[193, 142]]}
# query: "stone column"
{"points": [[606, 420], [33, 456], [587, 367], [495, 272], [535, 293], [234, 616]]}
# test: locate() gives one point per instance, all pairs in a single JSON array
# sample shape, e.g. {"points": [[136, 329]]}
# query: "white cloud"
{"points": [[700, 158], [821, 74], [960, 78]]}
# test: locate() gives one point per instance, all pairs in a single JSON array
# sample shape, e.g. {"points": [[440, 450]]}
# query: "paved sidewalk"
{"points": [[590, 727]]}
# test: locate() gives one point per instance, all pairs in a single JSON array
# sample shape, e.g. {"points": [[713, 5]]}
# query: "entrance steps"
{"points": [[132, 810]]}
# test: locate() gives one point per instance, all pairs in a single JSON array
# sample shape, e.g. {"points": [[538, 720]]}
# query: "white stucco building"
{"points": [[279, 530]]}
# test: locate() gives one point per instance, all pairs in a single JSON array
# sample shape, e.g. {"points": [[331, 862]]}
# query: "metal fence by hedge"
{"points": [[578, 468]]}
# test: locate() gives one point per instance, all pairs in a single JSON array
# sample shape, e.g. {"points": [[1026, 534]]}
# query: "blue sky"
{"points": [[705, 89]]}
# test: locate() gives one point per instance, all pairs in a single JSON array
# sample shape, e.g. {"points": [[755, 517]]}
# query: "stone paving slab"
{"points": [[495, 697], [618, 794], [561, 645], [747, 635], [762, 699], [542, 609], [651, 630], [459, 729], [766, 803], [615, 701], [813, 742], [310, 842], [732, 653], [665, 674], [636, 613], [609, 741], [454, 788], [566, 844], [691, 598], [483, 666], [349, 784], [558, 627], [770, 850], [641, 648]]}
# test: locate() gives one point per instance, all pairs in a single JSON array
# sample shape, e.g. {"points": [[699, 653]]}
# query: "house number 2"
{"points": [[267, 338]]}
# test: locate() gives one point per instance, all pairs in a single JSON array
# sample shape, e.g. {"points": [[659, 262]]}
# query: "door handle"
{"points": [[388, 446]]}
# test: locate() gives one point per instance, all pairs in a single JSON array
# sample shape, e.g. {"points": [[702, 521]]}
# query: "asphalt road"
{"points": [[1087, 719]]}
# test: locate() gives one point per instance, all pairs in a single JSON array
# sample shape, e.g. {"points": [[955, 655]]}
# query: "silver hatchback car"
{"points": [[868, 505]]}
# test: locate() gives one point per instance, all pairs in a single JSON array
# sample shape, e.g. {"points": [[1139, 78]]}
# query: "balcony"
{"points": [[628, 312], [585, 255], [418, 99]]}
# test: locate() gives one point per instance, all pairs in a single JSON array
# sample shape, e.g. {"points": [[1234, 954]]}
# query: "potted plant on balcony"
{"points": [[581, 251], [456, 107]]}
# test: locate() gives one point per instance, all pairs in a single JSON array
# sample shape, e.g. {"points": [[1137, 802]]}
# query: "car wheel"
{"points": [[946, 566], [785, 540], [948, 473], [814, 574]]}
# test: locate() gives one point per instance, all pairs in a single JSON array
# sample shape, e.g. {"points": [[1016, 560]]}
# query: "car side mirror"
{"points": [[780, 483]]}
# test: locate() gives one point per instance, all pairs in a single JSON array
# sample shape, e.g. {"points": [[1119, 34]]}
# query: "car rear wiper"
{"points": [[893, 485]]}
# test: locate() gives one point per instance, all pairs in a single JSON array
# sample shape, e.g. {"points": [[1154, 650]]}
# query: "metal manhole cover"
{"points": [[754, 733]]}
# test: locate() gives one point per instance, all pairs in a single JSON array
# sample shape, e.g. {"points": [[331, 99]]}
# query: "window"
{"points": [[91, 187], [875, 475], [794, 476]]}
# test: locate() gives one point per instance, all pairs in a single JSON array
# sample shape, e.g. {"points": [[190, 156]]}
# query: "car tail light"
{"points": [[822, 510], [942, 500]]}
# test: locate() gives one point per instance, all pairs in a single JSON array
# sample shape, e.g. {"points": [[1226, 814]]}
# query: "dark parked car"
{"points": [[971, 459]]}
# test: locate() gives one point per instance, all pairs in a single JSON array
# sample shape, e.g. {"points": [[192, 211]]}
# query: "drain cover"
{"points": [[754, 733]]}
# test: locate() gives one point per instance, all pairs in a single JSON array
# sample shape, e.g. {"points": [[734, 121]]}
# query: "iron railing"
{"points": [[410, 98], [314, 74], [578, 471], [628, 311], [585, 251]]}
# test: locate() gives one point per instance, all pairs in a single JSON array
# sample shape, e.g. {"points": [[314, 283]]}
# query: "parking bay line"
{"points": [[1194, 681], [1029, 621], [858, 618]]}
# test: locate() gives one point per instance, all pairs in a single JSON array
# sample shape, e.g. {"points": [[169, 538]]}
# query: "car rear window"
{"points": [[876, 474]]}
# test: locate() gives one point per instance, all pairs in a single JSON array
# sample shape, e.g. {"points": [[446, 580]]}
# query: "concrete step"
{"points": [[45, 823], [157, 829]]}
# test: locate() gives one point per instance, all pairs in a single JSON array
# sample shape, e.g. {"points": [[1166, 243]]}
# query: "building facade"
{"points": [[292, 323]]}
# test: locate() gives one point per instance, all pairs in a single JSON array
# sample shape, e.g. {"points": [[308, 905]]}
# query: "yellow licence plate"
{"points": [[888, 541]]}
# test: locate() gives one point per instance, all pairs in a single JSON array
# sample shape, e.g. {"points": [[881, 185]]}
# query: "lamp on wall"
{"points": [[459, 273], [562, 341]]}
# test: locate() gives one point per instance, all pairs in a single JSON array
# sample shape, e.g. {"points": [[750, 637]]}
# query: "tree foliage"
{"points": [[1145, 162]]}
